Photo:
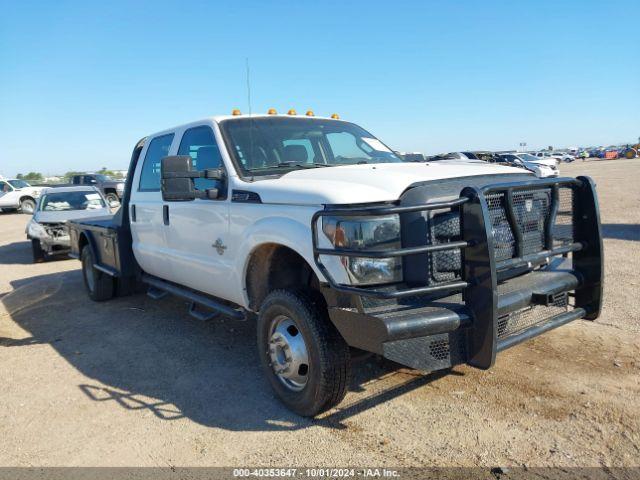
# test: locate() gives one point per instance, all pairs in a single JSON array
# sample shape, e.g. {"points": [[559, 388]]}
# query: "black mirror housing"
{"points": [[178, 177]]}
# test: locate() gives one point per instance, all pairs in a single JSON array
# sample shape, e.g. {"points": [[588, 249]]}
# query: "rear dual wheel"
{"points": [[99, 285], [305, 359]]}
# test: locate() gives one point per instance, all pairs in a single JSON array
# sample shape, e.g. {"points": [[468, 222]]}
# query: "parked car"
{"points": [[629, 152], [335, 245], [545, 155], [110, 188], [563, 156], [48, 230], [546, 161], [412, 156], [17, 194], [521, 160], [465, 156]]}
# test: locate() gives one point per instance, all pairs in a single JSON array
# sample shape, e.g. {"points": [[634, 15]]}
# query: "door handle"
{"points": [[133, 213], [165, 214]]}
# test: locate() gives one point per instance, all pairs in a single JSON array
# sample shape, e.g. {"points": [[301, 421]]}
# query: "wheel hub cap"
{"points": [[288, 353]]}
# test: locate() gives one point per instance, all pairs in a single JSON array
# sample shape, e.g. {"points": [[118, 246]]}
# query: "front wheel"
{"points": [[28, 205], [305, 359], [112, 199], [39, 255], [99, 285]]}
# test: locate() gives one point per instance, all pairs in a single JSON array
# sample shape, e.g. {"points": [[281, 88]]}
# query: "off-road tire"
{"points": [[102, 286], [28, 206], [329, 358], [39, 255]]}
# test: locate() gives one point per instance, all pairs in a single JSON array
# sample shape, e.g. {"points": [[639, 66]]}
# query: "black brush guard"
{"points": [[477, 323]]}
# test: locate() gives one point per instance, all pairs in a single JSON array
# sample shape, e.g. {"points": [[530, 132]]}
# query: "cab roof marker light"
{"points": [[335, 116], [292, 112], [236, 112], [272, 111], [310, 113]]}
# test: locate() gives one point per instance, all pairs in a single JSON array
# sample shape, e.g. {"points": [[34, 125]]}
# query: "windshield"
{"points": [[78, 200], [103, 178], [528, 157], [268, 146], [18, 183]]}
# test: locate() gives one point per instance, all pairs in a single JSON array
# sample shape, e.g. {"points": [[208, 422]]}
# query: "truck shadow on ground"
{"points": [[19, 253], [145, 354], [16, 253], [621, 231]]}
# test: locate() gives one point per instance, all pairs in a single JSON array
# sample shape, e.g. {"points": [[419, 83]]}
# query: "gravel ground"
{"points": [[137, 382]]}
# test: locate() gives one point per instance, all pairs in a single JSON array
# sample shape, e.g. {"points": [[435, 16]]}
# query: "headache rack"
{"points": [[505, 227]]}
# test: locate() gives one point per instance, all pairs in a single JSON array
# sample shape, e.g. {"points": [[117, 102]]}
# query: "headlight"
{"points": [[35, 230], [367, 233]]}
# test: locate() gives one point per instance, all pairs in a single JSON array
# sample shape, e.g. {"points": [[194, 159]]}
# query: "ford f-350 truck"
{"points": [[333, 244]]}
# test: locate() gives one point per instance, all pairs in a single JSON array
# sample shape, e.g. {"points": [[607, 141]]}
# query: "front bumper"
{"points": [[501, 299]]}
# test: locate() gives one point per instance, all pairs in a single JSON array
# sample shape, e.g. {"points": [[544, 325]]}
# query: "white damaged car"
{"points": [[47, 229]]}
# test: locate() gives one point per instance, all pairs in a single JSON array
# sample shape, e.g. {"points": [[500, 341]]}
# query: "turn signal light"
{"points": [[292, 112], [272, 111], [236, 112], [335, 116], [309, 113]]}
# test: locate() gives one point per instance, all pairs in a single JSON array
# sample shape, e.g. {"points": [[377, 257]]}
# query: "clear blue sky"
{"points": [[81, 82]]}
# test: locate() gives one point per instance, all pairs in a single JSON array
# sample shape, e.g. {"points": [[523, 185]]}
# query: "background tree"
{"points": [[69, 175], [33, 177]]}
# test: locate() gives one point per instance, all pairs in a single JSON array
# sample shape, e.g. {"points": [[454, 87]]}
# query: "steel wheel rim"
{"points": [[288, 354], [28, 207]]}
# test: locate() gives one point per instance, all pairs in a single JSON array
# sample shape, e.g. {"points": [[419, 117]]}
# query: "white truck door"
{"points": [[194, 228], [6, 199], [145, 208]]}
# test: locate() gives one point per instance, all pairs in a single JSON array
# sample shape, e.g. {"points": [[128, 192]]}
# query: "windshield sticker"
{"points": [[375, 144]]}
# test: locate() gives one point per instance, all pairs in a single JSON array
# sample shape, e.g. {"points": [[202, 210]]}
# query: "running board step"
{"points": [[156, 293], [194, 298], [203, 316]]}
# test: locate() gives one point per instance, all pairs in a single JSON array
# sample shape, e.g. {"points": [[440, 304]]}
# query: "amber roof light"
{"points": [[309, 113], [292, 112], [335, 116], [272, 111], [236, 112]]}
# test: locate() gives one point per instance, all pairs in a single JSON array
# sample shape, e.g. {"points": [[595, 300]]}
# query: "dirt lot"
{"points": [[138, 382]]}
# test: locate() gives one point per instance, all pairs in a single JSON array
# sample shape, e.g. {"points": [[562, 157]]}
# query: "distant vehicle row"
{"points": [[16, 194]]}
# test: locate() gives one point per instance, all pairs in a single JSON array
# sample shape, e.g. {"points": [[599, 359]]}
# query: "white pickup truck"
{"points": [[17, 194], [316, 230]]}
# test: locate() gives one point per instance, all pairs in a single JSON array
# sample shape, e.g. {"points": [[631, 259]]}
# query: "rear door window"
{"points": [[150, 173]]}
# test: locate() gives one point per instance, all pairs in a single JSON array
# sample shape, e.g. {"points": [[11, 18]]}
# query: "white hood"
{"points": [[364, 183]]}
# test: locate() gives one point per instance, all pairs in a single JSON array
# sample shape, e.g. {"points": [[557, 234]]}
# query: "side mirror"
{"points": [[178, 178], [114, 204]]}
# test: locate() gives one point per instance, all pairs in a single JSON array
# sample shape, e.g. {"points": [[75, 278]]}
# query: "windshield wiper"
{"points": [[302, 165]]}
